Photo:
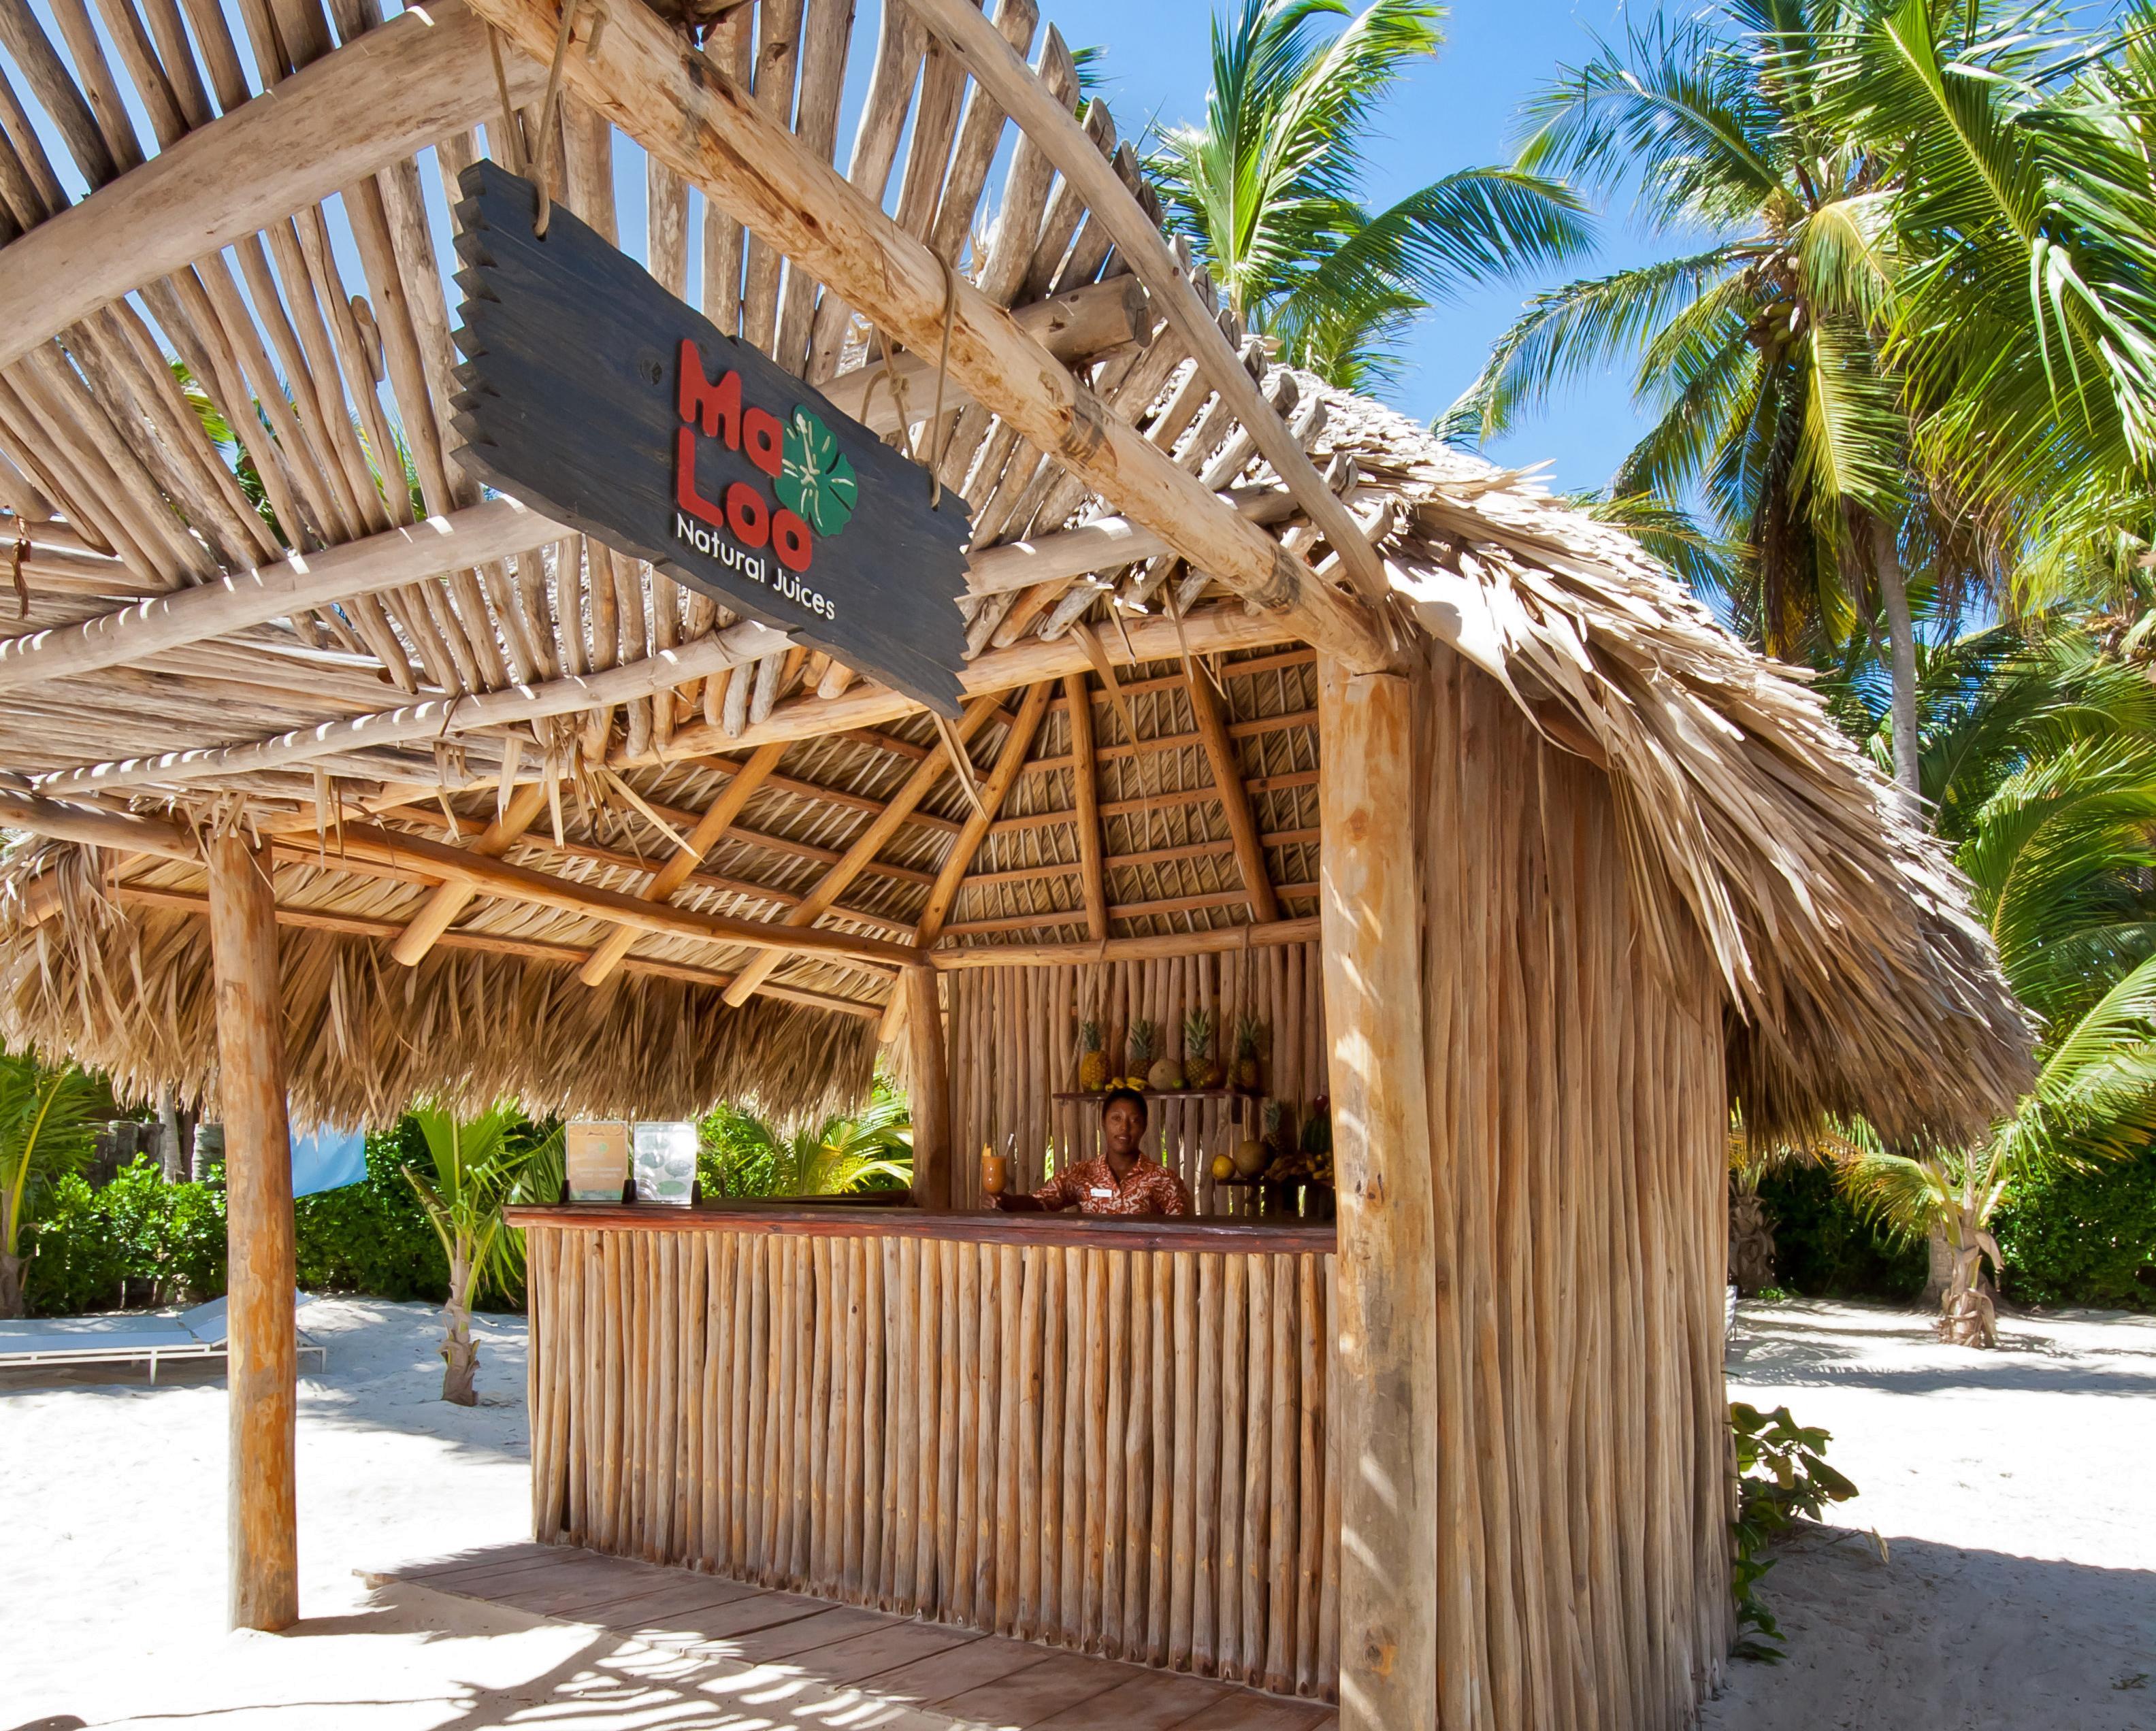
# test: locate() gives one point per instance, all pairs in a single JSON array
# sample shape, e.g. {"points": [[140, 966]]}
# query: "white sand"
{"points": [[2017, 1498], [2015, 1491]]}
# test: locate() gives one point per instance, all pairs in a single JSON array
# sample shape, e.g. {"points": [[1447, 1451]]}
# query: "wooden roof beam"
{"points": [[160, 623], [423, 76], [1211, 631], [446, 901], [733, 647], [1060, 136], [1227, 937], [351, 925], [1016, 742], [671, 876], [403, 853], [1101, 544], [646, 78], [866, 847], [1092, 873], [1228, 778]]}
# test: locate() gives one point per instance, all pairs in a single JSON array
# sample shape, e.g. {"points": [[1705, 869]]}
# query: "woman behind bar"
{"points": [[1122, 1182]]}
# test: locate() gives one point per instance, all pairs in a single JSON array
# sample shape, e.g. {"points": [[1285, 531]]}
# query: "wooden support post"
{"points": [[715, 822], [262, 1363], [445, 901], [1016, 742], [1093, 877], [1227, 777], [932, 1088], [1385, 1325]]}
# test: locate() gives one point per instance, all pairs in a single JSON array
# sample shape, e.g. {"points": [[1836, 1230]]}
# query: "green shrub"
{"points": [[367, 1237], [2082, 1237], [77, 1260], [1825, 1249], [372, 1237], [1782, 1474]]}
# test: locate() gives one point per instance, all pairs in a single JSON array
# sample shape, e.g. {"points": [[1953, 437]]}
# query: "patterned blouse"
{"points": [[1090, 1186]]}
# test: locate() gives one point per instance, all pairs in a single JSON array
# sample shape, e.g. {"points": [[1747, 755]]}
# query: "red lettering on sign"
{"points": [[747, 516], [717, 408], [764, 441], [790, 541], [686, 494]]}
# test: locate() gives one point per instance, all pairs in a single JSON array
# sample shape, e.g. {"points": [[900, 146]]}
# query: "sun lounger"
{"points": [[192, 1336]]}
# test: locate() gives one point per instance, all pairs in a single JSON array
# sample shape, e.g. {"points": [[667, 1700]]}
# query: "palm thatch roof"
{"points": [[384, 734]]}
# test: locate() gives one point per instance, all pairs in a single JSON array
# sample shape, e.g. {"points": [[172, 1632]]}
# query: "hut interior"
{"points": [[339, 779]]}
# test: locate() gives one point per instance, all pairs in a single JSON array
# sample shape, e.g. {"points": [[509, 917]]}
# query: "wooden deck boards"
{"points": [[939, 1675]]}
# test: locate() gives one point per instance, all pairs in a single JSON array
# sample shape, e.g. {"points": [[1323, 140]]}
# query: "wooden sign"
{"points": [[593, 395]]}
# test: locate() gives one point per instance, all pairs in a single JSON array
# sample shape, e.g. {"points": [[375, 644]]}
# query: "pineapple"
{"points": [[1093, 1065], [1200, 1069], [1247, 1074], [1144, 1036]]}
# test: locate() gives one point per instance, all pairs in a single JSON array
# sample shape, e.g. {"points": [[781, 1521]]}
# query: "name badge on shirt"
{"points": [[1101, 1192]]}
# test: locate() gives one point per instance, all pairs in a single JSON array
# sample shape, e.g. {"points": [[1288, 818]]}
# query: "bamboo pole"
{"points": [[934, 1157], [263, 1368]]}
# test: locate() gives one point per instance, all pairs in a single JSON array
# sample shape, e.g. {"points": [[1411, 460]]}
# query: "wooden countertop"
{"points": [[831, 1220]]}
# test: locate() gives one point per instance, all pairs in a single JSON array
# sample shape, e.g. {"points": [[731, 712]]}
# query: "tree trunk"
{"points": [[1967, 1315], [170, 1155], [1901, 644], [1938, 1276], [12, 1299], [460, 1351], [1751, 1244]]}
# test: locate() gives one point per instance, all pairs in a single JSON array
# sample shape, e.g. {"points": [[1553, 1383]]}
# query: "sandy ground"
{"points": [[2014, 1492]]}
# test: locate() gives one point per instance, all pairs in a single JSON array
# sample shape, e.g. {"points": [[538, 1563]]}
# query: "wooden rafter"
{"points": [[1016, 742], [399, 853], [688, 113], [352, 925], [434, 719], [866, 847], [948, 956], [1214, 631], [422, 77], [700, 841], [1093, 876], [1227, 781], [1101, 544], [539, 844], [1057, 132], [158, 623], [447, 900]]}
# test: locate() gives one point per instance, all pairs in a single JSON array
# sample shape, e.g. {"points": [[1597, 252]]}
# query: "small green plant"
{"points": [[1775, 1294], [1782, 1475], [479, 1165]]}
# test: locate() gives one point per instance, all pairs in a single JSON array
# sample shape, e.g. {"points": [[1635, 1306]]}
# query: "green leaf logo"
{"points": [[817, 481]]}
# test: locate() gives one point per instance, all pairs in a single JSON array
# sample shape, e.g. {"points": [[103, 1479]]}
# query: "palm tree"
{"points": [[479, 1165], [2043, 767], [1267, 189], [49, 1120], [1864, 191], [743, 1155]]}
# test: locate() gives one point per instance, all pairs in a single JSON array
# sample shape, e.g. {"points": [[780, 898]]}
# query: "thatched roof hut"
{"points": [[1276, 710], [1855, 981]]}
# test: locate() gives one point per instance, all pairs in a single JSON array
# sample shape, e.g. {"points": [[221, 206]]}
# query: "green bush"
{"points": [[371, 1236], [1825, 1249], [77, 1260], [366, 1237], [2082, 1237]]}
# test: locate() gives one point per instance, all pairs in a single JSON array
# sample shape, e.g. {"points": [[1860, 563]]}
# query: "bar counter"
{"points": [[1106, 1434]]}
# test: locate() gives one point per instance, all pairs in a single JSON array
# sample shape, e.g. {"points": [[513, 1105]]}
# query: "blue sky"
{"points": [[1454, 112]]}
